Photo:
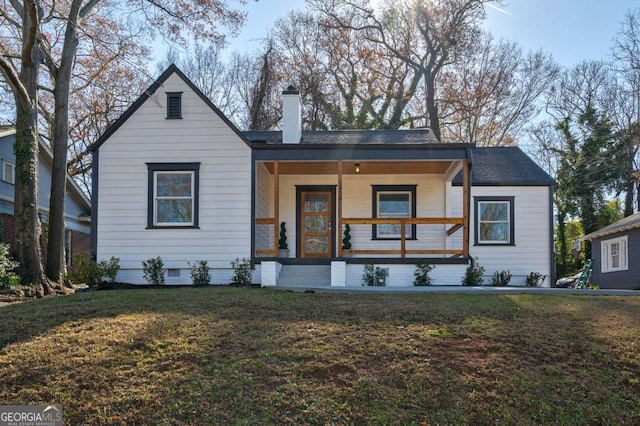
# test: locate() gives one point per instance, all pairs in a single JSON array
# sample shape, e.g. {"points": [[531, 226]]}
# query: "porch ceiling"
{"points": [[366, 167]]}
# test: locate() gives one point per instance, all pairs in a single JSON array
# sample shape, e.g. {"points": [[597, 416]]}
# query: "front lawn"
{"points": [[253, 356]]}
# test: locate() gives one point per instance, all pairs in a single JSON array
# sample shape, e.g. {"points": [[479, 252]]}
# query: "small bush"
{"points": [[200, 273], [473, 274], [153, 270], [501, 279], [535, 279], [8, 278], [86, 270], [242, 271], [421, 274], [372, 275], [108, 269]]}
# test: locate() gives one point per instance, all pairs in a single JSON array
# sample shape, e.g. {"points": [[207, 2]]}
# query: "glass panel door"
{"points": [[315, 218]]}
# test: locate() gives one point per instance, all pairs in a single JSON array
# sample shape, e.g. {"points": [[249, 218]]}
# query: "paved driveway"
{"points": [[463, 289]]}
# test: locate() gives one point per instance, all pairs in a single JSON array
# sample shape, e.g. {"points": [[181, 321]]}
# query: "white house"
{"points": [[174, 178]]}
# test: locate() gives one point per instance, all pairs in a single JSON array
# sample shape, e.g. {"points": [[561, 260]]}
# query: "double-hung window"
{"points": [[494, 220], [173, 195], [614, 254], [394, 201]]}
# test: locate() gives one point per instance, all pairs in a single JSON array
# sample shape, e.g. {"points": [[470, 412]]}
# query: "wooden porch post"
{"points": [[276, 206], [465, 207], [403, 238], [339, 224]]}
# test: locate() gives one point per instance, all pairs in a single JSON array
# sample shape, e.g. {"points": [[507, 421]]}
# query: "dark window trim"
{"points": [[173, 167], [476, 217], [374, 209], [178, 96]]}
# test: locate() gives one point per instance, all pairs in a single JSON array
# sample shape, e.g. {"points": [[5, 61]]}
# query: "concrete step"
{"points": [[304, 276]]}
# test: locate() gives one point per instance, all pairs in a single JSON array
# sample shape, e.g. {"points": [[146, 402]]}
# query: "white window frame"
{"points": [[156, 198], [8, 166], [607, 250], [508, 222]]}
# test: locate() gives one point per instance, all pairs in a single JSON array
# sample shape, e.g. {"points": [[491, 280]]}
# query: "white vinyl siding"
{"points": [[614, 254], [531, 251], [224, 223]]}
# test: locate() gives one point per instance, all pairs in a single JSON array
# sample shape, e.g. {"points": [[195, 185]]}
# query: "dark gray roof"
{"points": [[369, 137], [505, 166], [629, 222]]}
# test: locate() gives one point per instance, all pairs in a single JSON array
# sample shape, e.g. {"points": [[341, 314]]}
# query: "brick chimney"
{"points": [[291, 116]]}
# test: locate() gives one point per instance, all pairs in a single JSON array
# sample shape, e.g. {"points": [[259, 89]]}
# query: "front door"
{"points": [[315, 217]]}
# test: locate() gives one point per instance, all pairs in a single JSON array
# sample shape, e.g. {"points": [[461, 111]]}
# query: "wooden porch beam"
{"points": [[276, 206], [465, 207], [408, 221], [339, 224]]}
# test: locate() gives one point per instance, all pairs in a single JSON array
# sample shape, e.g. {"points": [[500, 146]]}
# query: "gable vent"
{"points": [[174, 105]]}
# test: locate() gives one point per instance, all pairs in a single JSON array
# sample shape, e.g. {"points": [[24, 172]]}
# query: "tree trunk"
{"points": [[55, 268], [27, 224], [432, 111], [562, 239]]}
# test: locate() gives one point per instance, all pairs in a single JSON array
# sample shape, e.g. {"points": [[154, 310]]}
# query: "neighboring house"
{"points": [[174, 178], [77, 205], [611, 249]]}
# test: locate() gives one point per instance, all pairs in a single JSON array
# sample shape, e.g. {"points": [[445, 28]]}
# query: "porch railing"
{"points": [[456, 222]]}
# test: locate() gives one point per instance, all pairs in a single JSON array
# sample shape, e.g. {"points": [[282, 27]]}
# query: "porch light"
{"points": [[357, 168]]}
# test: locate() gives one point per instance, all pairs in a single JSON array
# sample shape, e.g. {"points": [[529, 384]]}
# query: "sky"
{"points": [[571, 30]]}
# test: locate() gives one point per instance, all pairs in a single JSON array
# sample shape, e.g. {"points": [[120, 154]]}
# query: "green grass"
{"points": [[255, 356]]}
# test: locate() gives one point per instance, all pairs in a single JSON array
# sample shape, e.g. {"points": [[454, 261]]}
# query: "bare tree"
{"points": [[626, 52], [426, 35], [58, 51], [22, 77], [493, 92]]}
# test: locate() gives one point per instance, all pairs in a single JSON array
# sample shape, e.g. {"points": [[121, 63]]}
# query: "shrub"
{"points": [[242, 271], [372, 275], [501, 279], [535, 279], [108, 269], [200, 273], [421, 274], [346, 240], [473, 274], [8, 278], [153, 270], [282, 241], [86, 270]]}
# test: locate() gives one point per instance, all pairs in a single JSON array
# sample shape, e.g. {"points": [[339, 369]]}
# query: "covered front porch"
{"points": [[340, 212]]}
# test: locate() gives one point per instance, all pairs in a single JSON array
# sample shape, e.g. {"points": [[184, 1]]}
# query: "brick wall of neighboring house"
{"points": [[8, 229], [80, 242]]}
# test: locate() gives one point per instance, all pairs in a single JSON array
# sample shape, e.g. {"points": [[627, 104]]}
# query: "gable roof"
{"points": [[505, 166], [348, 137], [173, 69], [626, 224]]}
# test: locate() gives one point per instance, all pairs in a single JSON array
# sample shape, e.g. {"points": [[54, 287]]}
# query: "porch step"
{"points": [[304, 276]]}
